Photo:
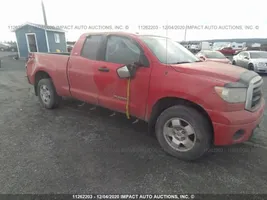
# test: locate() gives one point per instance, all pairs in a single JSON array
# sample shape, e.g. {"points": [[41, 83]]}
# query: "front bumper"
{"points": [[240, 125], [28, 80], [261, 70]]}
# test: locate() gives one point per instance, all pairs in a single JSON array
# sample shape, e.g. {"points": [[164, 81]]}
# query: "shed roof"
{"points": [[41, 26]]}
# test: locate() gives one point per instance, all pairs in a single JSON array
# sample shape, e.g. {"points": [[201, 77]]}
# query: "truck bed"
{"points": [[55, 65], [65, 53]]}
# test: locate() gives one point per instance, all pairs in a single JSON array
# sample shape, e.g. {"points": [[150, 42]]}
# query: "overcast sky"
{"points": [[141, 12]]}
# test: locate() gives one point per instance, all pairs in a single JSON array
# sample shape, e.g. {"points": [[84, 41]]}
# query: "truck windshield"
{"points": [[168, 51]]}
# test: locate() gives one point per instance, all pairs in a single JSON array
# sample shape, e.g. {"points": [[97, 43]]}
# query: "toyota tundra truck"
{"points": [[190, 105]]}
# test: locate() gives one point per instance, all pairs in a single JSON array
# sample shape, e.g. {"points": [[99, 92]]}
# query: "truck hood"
{"points": [[225, 72]]}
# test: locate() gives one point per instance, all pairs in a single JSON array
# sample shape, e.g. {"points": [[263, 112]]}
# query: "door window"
{"points": [[245, 54], [91, 47], [122, 50], [241, 55]]}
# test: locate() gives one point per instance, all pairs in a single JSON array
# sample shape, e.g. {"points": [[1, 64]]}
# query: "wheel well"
{"points": [[250, 66], [167, 102], [38, 76]]}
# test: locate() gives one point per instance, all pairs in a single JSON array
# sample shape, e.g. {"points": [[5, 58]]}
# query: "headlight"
{"points": [[232, 95], [261, 64]]}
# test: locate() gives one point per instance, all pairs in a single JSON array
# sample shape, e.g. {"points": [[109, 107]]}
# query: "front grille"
{"points": [[256, 96], [254, 93]]}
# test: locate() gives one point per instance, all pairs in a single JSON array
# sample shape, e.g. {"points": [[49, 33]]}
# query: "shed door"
{"points": [[32, 45]]}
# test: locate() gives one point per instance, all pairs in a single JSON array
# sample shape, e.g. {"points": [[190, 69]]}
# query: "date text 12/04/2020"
{"points": [[135, 196], [198, 27]]}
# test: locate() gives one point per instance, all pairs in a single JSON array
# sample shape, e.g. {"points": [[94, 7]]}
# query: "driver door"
{"points": [[121, 51], [239, 58]]}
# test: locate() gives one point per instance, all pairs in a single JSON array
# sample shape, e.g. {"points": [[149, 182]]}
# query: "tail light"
{"points": [[30, 59], [30, 56]]}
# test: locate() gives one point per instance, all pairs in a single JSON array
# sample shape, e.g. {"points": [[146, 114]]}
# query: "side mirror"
{"points": [[127, 71], [247, 58]]}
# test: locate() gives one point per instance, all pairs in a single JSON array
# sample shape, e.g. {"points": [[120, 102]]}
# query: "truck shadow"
{"points": [[140, 130]]}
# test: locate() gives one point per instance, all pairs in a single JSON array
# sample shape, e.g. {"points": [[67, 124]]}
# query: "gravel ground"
{"points": [[74, 149]]}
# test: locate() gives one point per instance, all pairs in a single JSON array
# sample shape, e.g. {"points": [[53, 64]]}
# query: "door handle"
{"points": [[103, 69]]}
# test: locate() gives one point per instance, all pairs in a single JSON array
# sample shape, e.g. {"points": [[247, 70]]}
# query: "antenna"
{"points": [[44, 15]]}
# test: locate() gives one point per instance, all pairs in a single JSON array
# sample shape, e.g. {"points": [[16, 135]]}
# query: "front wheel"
{"points": [[251, 67], [47, 94], [183, 132], [233, 62]]}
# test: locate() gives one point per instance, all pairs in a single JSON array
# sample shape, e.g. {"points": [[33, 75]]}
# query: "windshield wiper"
{"points": [[181, 62]]}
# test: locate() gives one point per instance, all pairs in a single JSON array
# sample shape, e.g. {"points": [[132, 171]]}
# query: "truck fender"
{"points": [[166, 102], [38, 75]]}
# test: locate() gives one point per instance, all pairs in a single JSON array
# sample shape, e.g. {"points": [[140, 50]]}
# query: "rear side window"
{"points": [[91, 47], [122, 50]]}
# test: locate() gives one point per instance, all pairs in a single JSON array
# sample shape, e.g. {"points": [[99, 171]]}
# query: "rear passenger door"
{"points": [[82, 68]]}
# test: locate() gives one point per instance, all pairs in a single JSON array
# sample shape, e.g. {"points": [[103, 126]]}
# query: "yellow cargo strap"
{"points": [[128, 98]]}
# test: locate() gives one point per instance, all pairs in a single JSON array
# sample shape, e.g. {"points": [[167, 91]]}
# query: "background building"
{"points": [[39, 38]]}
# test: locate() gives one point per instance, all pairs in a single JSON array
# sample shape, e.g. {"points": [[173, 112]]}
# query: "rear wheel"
{"points": [[183, 132], [47, 94]]}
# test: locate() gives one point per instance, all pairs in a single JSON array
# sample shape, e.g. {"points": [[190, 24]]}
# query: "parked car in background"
{"points": [[194, 48], [227, 51], [13, 48], [190, 105], [249, 48], [4, 47], [252, 60], [8, 47], [216, 56]]}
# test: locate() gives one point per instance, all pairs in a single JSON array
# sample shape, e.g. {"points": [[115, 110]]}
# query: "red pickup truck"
{"points": [[190, 105], [228, 51]]}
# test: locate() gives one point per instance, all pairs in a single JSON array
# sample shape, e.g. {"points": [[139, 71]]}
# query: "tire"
{"points": [[233, 62], [251, 67], [53, 99], [2, 49], [199, 124]]}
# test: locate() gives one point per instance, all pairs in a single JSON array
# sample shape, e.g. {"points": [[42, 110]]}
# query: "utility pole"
{"points": [[185, 30], [44, 15]]}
